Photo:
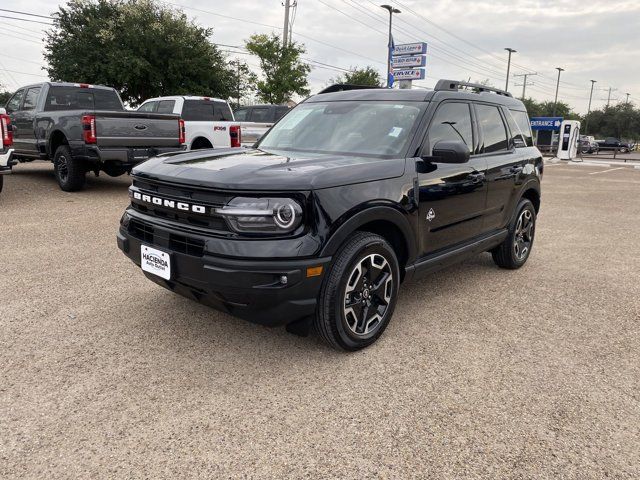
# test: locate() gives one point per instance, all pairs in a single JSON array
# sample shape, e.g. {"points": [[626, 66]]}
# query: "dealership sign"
{"points": [[409, 61], [419, 48], [409, 74], [546, 123]]}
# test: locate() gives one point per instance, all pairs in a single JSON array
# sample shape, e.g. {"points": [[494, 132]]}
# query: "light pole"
{"points": [[391, 11], [510, 50], [555, 102], [627, 102], [586, 120]]}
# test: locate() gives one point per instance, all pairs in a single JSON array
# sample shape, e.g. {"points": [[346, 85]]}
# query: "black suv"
{"points": [[350, 194]]}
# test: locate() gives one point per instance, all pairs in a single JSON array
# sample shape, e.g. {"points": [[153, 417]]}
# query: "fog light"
{"points": [[314, 271]]}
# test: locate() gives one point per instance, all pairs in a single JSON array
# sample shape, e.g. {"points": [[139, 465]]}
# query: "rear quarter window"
{"points": [[197, 111], [222, 112], [524, 124]]}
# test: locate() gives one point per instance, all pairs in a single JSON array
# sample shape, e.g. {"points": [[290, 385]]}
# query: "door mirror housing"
{"points": [[450, 151]]}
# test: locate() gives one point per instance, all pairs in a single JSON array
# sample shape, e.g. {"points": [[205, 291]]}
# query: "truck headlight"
{"points": [[262, 215]]}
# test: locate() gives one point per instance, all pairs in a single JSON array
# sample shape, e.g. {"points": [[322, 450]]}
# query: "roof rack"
{"points": [[454, 85], [343, 87]]}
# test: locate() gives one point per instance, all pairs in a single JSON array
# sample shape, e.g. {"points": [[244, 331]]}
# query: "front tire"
{"points": [[359, 293], [514, 251], [69, 172]]}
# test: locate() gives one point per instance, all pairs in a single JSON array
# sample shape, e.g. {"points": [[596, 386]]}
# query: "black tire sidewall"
{"points": [[75, 178], [524, 204]]}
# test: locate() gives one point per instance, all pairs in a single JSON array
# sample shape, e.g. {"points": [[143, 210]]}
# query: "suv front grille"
{"points": [[141, 231]]}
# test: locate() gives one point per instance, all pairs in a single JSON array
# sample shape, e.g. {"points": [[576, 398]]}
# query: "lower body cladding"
{"points": [[271, 292]]}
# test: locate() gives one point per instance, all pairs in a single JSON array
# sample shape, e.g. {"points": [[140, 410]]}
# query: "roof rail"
{"points": [[454, 85], [343, 87]]}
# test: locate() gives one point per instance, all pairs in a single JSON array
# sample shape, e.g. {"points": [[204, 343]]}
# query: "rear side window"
{"points": [[523, 122], [260, 115], [148, 107], [166, 106], [222, 112], [280, 112], [451, 122], [241, 115], [197, 111], [493, 129], [14, 102], [77, 98], [31, 98]]}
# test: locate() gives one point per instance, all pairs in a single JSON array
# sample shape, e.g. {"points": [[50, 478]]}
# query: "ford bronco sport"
{"points": [[349, 195]]}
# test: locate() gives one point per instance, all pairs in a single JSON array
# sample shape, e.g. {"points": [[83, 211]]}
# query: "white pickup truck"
{"points": [[6, 142], [208, 121], [256, 120]]}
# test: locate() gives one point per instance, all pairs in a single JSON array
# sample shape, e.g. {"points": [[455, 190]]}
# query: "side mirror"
{"points": [[450, 151]]}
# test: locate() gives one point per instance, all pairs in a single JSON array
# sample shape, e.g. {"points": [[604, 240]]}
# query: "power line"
{"points": [[25, 13], [26, 20]]}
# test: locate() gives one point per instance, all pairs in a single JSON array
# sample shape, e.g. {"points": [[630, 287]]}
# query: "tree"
{"points": [[244, 81], [284, 73], [142, 48], [4, 96], [368, 76]]}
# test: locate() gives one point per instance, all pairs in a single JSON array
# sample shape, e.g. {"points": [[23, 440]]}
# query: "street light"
{"points": [[391, 11], [510, 50], [555, 102], [586, 120]]}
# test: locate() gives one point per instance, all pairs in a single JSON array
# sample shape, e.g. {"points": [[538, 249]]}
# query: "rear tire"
{"points": [[514, 251], [69, 172], [359, 293]]}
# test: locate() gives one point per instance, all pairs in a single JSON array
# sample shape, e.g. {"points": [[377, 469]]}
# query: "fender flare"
{"points": [[372, 214]]}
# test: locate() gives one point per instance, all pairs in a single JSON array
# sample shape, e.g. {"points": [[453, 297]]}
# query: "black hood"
{"points": [[242, 169]]}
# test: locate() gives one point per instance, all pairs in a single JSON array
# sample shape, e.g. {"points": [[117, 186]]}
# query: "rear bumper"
{"points": [[121, 156], [249, 289], [6, 161]]}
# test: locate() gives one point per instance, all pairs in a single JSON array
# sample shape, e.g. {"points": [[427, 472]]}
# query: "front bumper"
{"points": [[249, 289], [6, 161]]}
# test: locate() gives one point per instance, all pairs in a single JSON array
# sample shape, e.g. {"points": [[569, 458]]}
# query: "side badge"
{"points": [[431, 214]]}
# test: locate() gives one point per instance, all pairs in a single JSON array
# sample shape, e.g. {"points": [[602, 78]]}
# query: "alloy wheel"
{"points": [[523, 234], [63, 168]]}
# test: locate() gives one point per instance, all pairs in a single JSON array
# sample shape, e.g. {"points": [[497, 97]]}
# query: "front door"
{"points": [[24, 137], [452, 197]]}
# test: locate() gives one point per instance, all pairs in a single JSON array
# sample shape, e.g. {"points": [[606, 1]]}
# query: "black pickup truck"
{"points": [[85, 128], [349, 195], [612, 143]]}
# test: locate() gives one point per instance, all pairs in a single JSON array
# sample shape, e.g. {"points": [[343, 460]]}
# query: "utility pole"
{"points": [[391, 11], [238, 84], [510, 50], [285, 32], [586, 120], [524, 83], [555, 102]]}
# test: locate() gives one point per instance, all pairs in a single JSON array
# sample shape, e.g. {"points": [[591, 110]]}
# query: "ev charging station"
{"points": [[569, 139]]}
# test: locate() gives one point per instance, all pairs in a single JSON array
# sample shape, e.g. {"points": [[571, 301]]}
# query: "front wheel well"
{"points": [[392, 234], [533, 195]]}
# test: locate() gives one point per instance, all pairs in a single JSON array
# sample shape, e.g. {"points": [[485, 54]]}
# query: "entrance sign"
{"points": [[546, 123]]}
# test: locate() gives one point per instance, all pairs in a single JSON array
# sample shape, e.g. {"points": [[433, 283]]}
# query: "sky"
{"points": [[592, 39]]}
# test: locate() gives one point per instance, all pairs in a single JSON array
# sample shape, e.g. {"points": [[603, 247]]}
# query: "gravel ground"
{"points": [[483, 373]]}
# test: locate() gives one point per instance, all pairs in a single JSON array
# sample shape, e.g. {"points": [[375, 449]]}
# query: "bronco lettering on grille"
{"points": [[163, 202]]}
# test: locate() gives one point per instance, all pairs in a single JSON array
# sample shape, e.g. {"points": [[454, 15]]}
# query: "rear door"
{"points": [[452, 197]]}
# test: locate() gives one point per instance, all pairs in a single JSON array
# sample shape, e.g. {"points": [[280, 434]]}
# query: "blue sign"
{"points": [[409, 61], [419, 48], [409, 74], [546, 123]]}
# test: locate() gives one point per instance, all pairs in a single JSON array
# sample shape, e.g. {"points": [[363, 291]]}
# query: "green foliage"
{"points": [[244, 81], [284, 74], [4, 97], [368, 76], [142, 48], [620, 121]]}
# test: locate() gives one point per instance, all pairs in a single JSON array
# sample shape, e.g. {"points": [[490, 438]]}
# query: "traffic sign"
{"points": [[409, 61], [409, 74], [419, 48], [546, 123]]}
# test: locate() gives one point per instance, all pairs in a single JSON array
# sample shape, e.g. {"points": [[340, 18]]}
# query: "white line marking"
{"points": [[605, 171]]}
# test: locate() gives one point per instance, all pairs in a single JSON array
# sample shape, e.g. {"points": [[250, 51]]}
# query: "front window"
{"points": [[366, 128], [14, 103]]}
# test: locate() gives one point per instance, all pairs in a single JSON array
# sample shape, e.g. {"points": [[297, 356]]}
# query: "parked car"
{"points": [[83, 128], [612, 143], [208, 121], [256, 120], [348, 196], [588, 144], [6, 142]]}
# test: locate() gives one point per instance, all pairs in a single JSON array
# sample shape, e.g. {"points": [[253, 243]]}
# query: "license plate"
{"points": [[155, 261]]}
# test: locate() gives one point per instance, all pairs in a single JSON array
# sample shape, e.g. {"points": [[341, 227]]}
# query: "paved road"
{"points": [[483, 373]]}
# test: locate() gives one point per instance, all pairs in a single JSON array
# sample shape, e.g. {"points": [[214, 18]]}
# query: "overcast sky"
{"points": [[592, 39]]}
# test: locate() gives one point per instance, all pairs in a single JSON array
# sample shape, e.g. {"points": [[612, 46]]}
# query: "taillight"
{"points": [[236, 135], [89, 129], [182, 137], [5, 130]]}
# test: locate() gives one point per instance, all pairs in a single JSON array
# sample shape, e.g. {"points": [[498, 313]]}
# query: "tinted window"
{"points": [[375, 128], [222, 112], [31, 98], [78, 98], [280, 112], [517, 138], [166, 106], [452, 121], [197, 111], [260, 115], [493, 129], [148, 107], [522, 119], [14, 102], [241, 115]]}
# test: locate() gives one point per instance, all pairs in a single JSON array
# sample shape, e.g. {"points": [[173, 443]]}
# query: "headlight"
{"points": [[262, 215]]}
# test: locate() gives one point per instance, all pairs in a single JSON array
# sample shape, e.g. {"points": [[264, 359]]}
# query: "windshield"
{"points": [[379, 129]]}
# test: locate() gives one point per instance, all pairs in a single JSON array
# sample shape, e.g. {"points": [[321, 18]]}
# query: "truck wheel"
{"points": [[69, 172], [516, 248], [359, 293]]}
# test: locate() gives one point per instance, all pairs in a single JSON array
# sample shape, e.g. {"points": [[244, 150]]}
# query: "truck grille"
{"points": [[208, 221]]}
